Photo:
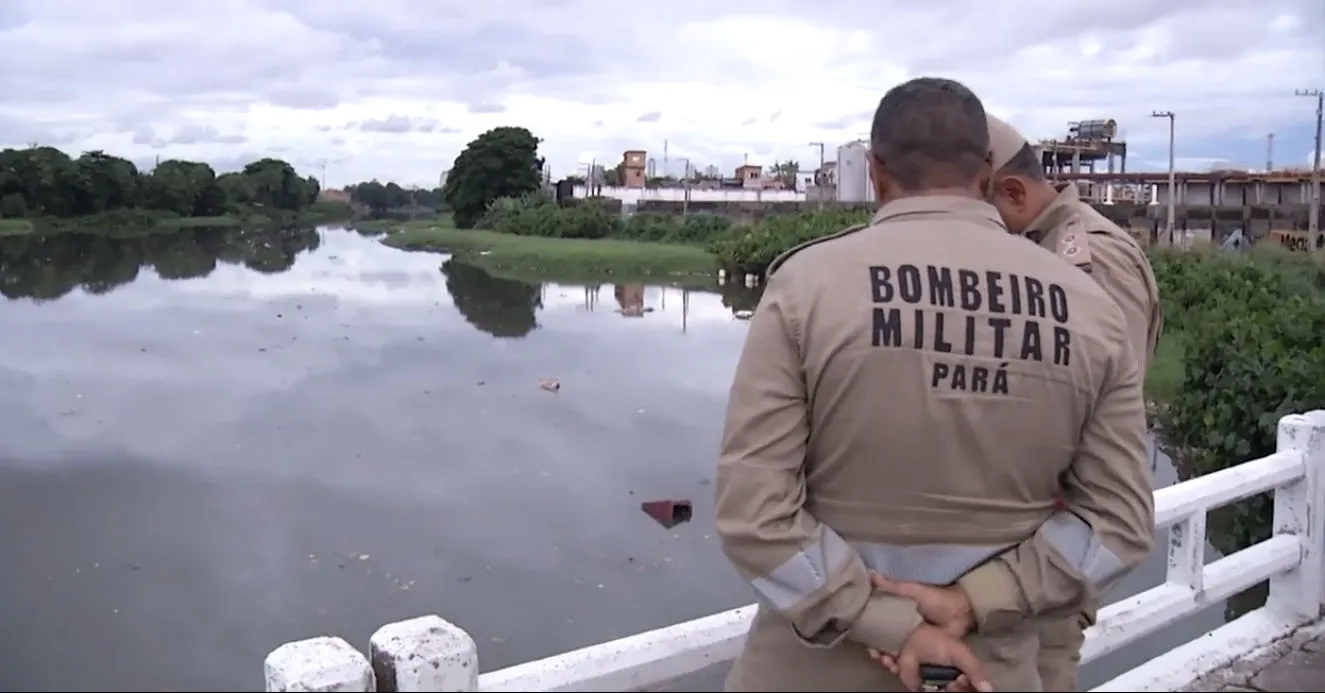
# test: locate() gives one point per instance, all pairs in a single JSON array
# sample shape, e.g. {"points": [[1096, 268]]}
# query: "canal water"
{"points": [[214, 442]]}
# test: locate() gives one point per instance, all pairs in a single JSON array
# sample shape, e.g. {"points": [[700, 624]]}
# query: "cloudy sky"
{"points": [[393, 89]]}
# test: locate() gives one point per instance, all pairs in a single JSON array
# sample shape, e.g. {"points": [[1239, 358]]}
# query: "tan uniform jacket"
{"points": [[909, 396], [1078, 233]]}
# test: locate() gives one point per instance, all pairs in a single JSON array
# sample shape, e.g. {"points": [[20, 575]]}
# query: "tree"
{"points": [[390, 198], [46, 182], [502, 162], [786, 171]]}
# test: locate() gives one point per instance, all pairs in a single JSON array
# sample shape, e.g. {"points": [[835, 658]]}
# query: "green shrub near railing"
{"points": [[1252, 332]]}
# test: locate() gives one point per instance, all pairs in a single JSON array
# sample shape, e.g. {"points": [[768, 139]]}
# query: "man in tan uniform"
{"points": [[1057, 220], [908, 399]]}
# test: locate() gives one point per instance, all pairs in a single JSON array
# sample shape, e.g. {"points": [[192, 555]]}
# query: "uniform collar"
{"points": [[1063, 206], [1059, 229], [952, 205]]}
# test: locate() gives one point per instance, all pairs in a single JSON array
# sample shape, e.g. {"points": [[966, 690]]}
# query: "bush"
{"points": [[537, 215], [752, 249], [666, 228], [503, 208], [1251, 328], [552, 221]]}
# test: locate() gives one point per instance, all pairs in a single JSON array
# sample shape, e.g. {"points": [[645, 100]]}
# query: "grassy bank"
{"points": [[564, 258]]}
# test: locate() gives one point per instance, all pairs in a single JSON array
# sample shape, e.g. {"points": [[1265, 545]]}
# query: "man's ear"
{"points": [[1013, 189], [878, 176]]}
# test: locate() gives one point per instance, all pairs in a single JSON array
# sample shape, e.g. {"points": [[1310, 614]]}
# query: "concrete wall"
{"points": [[1236, 193], [740, 211], [639, 195], [1146, 220]]}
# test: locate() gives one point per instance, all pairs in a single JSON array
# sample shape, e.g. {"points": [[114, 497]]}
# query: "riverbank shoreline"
{"points": [[147, 221], [564, 258]]}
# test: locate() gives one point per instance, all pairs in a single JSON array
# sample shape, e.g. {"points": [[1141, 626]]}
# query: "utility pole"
{"points": [[665, 169], [685, 191], [818, 174], [1269, 152], [1173, 183], [323, 182], [1313, 215]]}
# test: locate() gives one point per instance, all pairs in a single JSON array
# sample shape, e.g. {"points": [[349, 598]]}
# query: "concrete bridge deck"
{"points": [[1296, 663]]}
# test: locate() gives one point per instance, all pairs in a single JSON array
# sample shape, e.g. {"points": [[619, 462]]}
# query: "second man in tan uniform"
{"points": [[1075, 231], [909, 398]]}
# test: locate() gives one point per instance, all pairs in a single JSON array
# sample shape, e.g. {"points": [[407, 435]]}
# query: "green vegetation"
{"points": [[752, 249], [44, 190], [1249, 328], [502, 162], [389, 200], [1165, 374], [563, 258]]}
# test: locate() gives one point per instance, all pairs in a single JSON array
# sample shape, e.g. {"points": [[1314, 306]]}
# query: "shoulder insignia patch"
{"points": [[1070, 243], [786, 255]]}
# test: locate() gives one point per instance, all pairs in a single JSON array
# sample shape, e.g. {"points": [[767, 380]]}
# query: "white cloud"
{"points": [[394, 88]]}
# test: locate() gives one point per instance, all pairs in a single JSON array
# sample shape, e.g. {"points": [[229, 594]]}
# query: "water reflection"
{"points": [[741, 299], [630, 300], [507, 307], [500, 307], [220, 444], [44, 268]]}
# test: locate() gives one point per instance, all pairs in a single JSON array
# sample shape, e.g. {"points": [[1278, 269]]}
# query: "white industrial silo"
{"points": [[853, 175]]}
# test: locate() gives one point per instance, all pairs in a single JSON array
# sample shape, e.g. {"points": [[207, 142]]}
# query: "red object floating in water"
{"points": [[668, 513]]}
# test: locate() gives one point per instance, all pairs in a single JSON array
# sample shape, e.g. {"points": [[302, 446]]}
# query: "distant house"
{"points": [[750, 176], [827, 175], [334, 196], [633, 168]]}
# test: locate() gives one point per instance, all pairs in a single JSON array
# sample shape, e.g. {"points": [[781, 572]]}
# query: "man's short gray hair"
{"points": [[930, 133]]}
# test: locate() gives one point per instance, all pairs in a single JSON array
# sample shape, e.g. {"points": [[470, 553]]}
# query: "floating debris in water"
{"points": [[550, 384], [668, 513]]}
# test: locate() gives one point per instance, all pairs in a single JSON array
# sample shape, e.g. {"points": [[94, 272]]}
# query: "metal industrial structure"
{"points": [[853, 173], [1069, 158], [1087, 143]]}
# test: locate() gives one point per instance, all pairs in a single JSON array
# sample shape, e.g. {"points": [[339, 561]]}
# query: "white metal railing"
{"points": [[431, 654]]}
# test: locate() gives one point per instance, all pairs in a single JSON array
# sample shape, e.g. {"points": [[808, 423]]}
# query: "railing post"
{"points": [[1299, 509], [424, 654], [318, 664]]}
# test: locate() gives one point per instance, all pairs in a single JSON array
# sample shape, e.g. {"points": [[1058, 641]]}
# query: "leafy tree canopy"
{"points": [[502, 162], [46, 182]]}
